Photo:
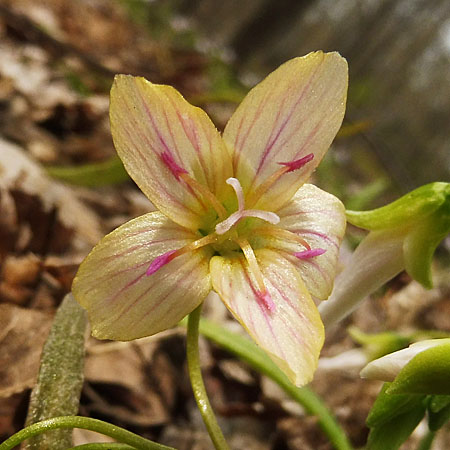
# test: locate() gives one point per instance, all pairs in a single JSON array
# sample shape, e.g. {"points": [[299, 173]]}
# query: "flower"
{"points": [[403, 235], [234, 212]]}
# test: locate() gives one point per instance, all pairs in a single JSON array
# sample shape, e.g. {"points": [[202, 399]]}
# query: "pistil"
{"points": [[233, 219]]}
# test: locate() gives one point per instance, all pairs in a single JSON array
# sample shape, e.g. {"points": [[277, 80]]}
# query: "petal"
{"points": [[291, 332], [154, 129], [124, 303], [319, 218], [378, 259], [297, 110]]}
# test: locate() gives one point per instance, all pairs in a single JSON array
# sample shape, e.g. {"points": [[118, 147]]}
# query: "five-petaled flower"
{"points": [[234, 212]]}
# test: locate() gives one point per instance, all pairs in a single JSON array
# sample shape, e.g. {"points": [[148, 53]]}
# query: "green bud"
{"points": [[422, 368], [422, 219]]}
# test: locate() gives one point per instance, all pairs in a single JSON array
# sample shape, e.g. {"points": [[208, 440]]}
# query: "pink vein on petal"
{"points": [[238, 146], [265, 314], [144, 159], [283, 125]]}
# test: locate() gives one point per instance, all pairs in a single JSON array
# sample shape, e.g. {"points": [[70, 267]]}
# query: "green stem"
{"points": [[258, 359], [195, 374], [427, 441], [103, 446], [85, 423]]}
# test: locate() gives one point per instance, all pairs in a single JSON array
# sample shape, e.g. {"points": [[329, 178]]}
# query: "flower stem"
{"points": [[258, 360], [197, 384], [86, 423]]}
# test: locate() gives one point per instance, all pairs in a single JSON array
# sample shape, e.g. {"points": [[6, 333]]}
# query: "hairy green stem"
{"points": [[58, 388], [195, 374], [258, 359], [85, 423]]}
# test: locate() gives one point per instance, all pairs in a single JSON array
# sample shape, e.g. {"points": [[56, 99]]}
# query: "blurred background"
{"points": [[62, 187], [396, 133]]}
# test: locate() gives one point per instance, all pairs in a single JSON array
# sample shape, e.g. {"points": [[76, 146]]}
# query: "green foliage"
{"points": [[104, 173], [392, 420], [379, 344], [438, 411], [402, 404]]}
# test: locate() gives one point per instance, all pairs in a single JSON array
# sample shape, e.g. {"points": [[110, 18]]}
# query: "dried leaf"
{"points": [[22, 335]]}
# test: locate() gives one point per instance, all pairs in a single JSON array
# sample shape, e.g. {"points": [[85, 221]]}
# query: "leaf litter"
{"points": [[54, 87]]}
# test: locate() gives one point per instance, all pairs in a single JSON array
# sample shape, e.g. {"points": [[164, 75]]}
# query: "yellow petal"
{"points": [[149, 121], [319, 218], [123, 302], [296, 111], [291, 332]]}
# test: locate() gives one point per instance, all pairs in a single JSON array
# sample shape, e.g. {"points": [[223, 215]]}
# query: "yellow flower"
{"points": [[234, 213]]}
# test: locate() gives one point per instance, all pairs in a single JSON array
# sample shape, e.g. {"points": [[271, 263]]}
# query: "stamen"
{"points": [[283, 234], [308, 254], [165, 258], [206, 193], [234, 218], [298, 163], [290, 166], [262, 293], [172, 165], [180, 173]]}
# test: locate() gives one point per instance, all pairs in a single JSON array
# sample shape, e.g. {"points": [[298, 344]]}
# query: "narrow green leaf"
{"points": [[60, 379], [387, 407], [438, 411], [438, 402], [103, 173], [390, 435]]}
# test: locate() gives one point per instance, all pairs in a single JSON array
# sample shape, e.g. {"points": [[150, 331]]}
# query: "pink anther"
{"points": [[298, 163], [172, 165], [266, 300], [160, 261], [307, 254]]}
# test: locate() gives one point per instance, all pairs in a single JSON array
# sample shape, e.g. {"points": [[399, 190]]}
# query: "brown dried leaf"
{"points": [[128, 385], [22, 335], [18, 171]]}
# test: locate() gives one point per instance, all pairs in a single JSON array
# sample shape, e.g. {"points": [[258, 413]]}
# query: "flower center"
{"points": [[233, 219], [225, 237]]}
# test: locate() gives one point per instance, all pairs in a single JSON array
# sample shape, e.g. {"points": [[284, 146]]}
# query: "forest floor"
{"points": [[57, 61]]}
